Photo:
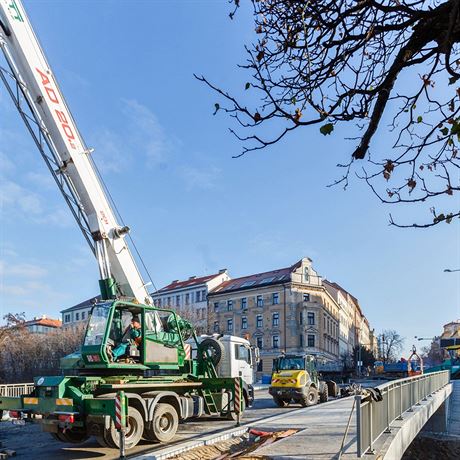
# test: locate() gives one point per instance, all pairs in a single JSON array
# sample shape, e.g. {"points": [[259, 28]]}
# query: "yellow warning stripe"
{"points": [[64, 402], [30, 400]]}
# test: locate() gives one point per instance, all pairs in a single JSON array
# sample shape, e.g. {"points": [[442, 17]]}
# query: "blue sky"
{"points": [[127, 75]]}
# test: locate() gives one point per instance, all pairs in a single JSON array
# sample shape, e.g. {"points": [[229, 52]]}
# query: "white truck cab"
{"points": [[233, 357]]}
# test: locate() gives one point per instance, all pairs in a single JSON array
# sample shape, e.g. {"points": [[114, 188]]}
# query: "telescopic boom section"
{"points": [[35, 79]]}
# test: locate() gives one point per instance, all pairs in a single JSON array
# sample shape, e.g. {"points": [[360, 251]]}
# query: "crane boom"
{"points": [[36, 94]]}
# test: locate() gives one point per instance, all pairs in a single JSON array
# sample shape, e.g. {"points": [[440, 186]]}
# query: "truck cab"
{"points": [[232, 356]]}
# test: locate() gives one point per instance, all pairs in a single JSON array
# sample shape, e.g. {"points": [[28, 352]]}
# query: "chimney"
{"points": [[192, 278], [222, 270]]}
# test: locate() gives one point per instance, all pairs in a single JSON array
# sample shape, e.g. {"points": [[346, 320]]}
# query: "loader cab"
{"points": [[295, 363]]}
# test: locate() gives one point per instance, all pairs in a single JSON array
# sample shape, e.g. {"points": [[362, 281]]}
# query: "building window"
{"points": [[187, 299], [169, 302], [77, 316], [260, 301], [276, 341], [311, 340], [301, 318], [276, 298], [230, 325], [198, 296], [260, 342], [244, 322], [306, 297], [177, 300], [83, 315], [306, 274], [216, 306], [301, 340], [216, 326], [311, 318], [276, 319], [260, 366], [203, 295], [67, 318], [259, 321], [244, 303], [229, 305]]}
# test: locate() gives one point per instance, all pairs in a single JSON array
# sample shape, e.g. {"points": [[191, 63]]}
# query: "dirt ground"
{"points": [[433, 448]]}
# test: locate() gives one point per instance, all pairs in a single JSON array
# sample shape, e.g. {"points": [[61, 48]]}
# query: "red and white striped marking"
{"points": [[118, 412], [188, 351], [237, 396]]}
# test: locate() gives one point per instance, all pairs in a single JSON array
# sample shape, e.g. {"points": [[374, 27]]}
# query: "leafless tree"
{"points": [[391, 344], [26, 355], [387, 65]]}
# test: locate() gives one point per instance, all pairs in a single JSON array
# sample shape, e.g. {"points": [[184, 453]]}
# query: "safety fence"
{"points": [[374, 417], [16, 389]]}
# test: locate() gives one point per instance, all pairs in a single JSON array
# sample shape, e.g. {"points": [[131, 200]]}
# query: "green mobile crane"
{"points": [[162, 383]]}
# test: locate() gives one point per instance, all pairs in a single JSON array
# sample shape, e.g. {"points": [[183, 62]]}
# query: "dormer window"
{"points": [[306, 274]]}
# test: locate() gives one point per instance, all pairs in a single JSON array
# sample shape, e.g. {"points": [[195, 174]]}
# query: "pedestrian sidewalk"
{"points": [[322, 431], [453, 427]]}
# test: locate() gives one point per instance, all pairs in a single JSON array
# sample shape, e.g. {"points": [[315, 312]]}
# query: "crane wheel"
{"points": [[70, 436], [233, 416], [214, 349], [311, 398], [164, 425], [134, 430]]}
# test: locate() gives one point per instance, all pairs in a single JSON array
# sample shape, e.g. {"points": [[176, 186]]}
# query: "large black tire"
{"points": [[70, 436], [164, 425], [311, 398], [324, 395], [104, 439], [214, 349], [134, 430], [233, 416], [280, 402], [332, 388]]}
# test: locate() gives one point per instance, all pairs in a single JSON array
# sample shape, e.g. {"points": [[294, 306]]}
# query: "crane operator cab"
{"points": [[128, 335]]}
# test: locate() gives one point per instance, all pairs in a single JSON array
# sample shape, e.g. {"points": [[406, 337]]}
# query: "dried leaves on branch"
{"points": [[389, 67]]}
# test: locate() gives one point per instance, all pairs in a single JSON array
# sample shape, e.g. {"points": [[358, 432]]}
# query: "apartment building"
{"points": [[77, 316], [354, 326], [288, 309], [42, 325], [190, 297]]}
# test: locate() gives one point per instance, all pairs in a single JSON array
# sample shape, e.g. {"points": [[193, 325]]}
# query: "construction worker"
{"points": [[131, 334]]}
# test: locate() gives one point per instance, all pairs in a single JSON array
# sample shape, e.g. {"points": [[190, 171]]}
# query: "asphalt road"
{"points": [[30, 442]]}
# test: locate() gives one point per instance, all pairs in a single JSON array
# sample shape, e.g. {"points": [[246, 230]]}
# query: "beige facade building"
{"points": [[288, 309]]}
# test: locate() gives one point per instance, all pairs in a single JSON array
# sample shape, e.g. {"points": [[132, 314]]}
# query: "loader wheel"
{"points": [[311, 398], [324, 395], [214, 349], [164, 425], [134, 430], [280, 402], [333, 388]]}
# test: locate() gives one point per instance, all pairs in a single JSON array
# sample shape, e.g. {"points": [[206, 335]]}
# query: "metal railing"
{"points": [[16, 389], [373, 418]]}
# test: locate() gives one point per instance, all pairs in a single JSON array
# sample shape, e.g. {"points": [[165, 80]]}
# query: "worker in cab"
{"points": [[132, 335]]}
